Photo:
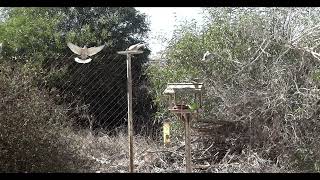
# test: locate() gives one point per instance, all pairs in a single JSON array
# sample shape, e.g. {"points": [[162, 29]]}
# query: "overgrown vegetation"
{"points": [[261, 101], [40, 121], [31, 127], [38, 36], [263, 79]]}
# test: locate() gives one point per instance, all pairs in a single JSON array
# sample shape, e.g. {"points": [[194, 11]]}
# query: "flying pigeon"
{"points": [[84, 52], [207, 56], [136, 47]]}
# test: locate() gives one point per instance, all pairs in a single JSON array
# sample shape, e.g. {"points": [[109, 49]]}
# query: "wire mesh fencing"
{"points": [[96, 92], [90, 97]]}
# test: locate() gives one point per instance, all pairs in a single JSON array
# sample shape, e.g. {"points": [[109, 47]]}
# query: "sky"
{"points": [[162, 22]]}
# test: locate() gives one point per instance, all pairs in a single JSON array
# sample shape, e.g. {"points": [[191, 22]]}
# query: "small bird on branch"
{"points": [[84, 52], [207, 56]]}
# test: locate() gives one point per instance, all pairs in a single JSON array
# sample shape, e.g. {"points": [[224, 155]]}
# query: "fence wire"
{"points": [[90, 96], [95, 94]]}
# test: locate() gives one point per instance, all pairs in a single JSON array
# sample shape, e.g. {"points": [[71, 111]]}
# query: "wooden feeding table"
{"points": [[185, 101]]}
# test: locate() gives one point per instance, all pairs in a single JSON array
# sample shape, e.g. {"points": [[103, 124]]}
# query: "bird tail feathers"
{"points": [[82, 61]]}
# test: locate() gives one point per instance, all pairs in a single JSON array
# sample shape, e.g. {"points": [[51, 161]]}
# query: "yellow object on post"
{"points": [[166, 133]]}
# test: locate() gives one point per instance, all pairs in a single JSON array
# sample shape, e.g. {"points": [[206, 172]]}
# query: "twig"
{"points": [[163, 161], [205, 158], [304, 33], [204, 166], [207, 150], [184, 144], [160, 151], [310, 50], [225, 156], [230, 159], [250, 63]]}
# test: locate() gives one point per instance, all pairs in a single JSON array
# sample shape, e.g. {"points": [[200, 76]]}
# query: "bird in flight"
{"points": [[84, 52], [136, 47]]}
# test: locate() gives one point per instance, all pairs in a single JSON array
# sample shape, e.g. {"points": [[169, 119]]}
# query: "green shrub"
{"points": [[32, 127]]}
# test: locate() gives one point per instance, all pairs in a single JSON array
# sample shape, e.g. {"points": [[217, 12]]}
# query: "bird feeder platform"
{"points": [[129, 52], [184, 88], [183, 111]]}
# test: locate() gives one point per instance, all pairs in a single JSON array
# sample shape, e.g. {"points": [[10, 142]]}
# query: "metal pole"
{"points": [[130, 128]]}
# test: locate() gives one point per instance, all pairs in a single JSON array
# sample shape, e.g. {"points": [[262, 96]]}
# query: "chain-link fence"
{"points": [[96, 92], [91, 97]]}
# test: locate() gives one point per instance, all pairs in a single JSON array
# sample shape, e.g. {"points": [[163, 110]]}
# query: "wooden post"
{"points": [[187, 143], [200, 100], [170, 102], [196, 102], [130, 128], [129, 93]]}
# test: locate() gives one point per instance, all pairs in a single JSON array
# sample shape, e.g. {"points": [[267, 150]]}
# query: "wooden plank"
{"points": [[183, 88], [185, 84], [129, 52], [181, 91], [197, 110], [180, 111]]}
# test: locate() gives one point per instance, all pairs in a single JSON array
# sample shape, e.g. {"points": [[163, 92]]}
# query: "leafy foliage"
{"points": [[263, 75], [38, 37]]}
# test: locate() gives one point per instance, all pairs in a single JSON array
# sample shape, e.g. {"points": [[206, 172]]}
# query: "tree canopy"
{"points": [[37, 38]]}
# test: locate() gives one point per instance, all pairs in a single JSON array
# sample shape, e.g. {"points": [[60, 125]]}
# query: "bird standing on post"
{"points": [[84, 52], [136, 47]]}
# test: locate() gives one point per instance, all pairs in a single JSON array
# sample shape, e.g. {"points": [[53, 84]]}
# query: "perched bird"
{"points": [[0, 48], [207, 56], [193, 80], [197, 80], [136, 47], [211, 56], [84, 52]]}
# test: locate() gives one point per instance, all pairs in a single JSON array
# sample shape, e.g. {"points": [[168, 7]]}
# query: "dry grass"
{"points": [[107, 154]]}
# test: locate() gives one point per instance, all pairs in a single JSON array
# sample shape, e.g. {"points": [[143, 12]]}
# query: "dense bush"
{"points": [[32, 127], [264, 75]]}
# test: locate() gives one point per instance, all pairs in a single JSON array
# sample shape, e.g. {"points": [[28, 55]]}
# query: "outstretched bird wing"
{"points": [[74, 48], [94, 50]]}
